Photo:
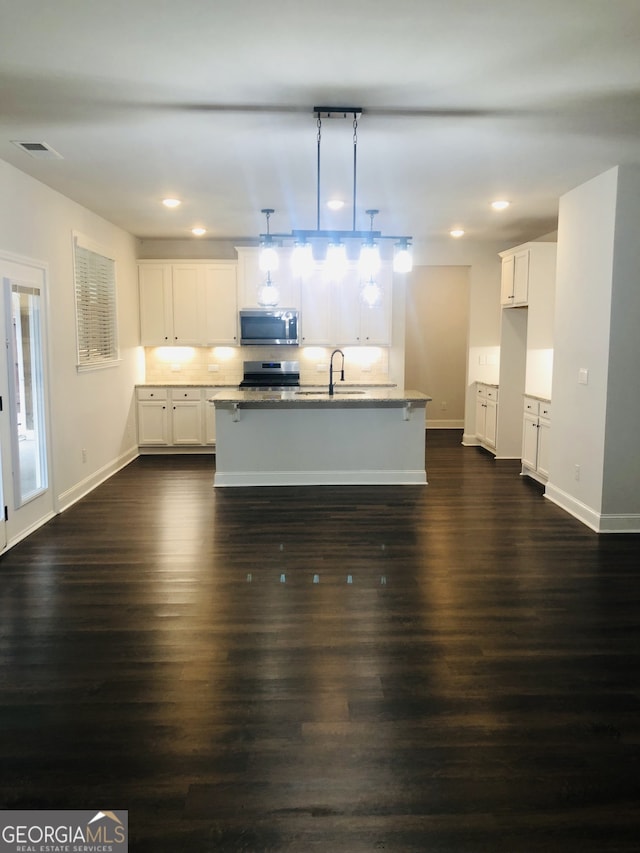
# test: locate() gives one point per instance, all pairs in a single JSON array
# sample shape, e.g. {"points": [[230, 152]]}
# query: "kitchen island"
{"points": [[373, 436]]}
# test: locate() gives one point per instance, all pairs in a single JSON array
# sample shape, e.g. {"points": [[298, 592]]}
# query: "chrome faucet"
{"points": [[331, 370]]}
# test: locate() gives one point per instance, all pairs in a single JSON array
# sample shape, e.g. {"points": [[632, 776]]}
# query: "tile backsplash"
{"points": [[225, 365]]}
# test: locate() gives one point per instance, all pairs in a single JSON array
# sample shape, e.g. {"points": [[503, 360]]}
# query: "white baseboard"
{"points": [[599, 522], [442, 424], [469, 440], [28, 531], [319, 478], [81, 489]]}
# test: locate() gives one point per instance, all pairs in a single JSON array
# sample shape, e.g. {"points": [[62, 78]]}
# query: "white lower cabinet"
{"points": [[186, 417], [486, 414], [153, 417], [535, 438], [175, 418]]}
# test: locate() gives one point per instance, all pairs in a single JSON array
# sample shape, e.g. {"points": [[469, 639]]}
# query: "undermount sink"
{"points": [[324, 393]]}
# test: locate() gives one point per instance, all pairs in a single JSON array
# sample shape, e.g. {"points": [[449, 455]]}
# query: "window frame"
{"points": [[107, 292]]}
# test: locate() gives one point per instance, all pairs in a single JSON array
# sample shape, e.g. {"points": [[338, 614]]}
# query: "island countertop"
{"points": [[319, 397]]}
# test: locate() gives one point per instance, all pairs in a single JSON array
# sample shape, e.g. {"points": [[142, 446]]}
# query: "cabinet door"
{"points": [[220, 304], [186, 422], [345, 315], [491, 420], [156, 310], [315, 311], [521, 278], [544, 430], [187, 304], [481, 418], [530, 441], [153, 422], [506, 280], [251, 278], [375, 320]]}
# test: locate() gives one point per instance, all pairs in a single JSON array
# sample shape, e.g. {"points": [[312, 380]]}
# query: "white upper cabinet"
{"points": [[188, 304], [354, 322], [514, 280], [251, 279], [196, 303], [156, 304], [220, 315], [316, 296], [523, 268]]}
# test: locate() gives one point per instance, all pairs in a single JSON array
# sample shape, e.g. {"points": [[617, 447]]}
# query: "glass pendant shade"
{"points": [[302, 260], [268, 260], [369, 261], [402, 259], [336, 262], [268, 294], [371, 293]]}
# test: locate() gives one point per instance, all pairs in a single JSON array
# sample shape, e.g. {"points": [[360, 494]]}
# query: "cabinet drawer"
{"points": [[531, 406], [186, 394], [152, 393], [492, 394], [481, 391], [545, 410]]}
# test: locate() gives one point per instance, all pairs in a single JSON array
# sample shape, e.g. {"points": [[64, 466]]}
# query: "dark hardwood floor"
{"points": [[452, 668]]}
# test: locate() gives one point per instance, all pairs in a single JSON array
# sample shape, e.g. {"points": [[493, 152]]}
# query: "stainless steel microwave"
{"points": [[269, 326]]}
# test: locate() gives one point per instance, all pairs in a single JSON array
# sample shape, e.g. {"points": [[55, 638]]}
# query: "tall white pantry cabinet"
{"points": [[526, 353]]}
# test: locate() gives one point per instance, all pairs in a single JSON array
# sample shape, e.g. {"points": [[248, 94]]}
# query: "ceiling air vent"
{"points": [[39, 150]]}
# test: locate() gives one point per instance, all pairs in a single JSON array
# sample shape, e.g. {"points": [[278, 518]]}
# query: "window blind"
{"points": [[96, 315]]}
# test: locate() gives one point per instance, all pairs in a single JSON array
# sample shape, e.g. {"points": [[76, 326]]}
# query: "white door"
{"points": [[3, 522], [27, 496]]}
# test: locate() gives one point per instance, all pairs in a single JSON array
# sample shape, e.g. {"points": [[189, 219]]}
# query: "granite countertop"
{"points": [[319, 388], [314, 397], [187, 385]]}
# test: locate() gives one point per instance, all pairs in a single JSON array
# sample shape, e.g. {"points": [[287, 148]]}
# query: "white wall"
{"points": [[92, 411], [621, 482], [597, 308], [437, 325], [581, 335], [484, 309]]}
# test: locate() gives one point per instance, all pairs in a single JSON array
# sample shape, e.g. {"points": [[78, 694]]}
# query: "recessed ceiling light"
{"points": [[171, 202], [456, 232], [198, 232], [335, 204], [500, 205]]}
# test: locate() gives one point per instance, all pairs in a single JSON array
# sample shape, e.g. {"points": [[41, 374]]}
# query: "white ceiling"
{"points": [[212, 101]]}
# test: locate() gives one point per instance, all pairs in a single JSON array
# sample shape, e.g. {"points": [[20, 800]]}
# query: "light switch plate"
{"points": [[583, 376]]}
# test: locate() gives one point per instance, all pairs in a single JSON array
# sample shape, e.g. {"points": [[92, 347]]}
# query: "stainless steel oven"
{"points": [[270, 375]]}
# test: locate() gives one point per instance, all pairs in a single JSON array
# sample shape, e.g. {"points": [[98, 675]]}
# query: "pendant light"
{"points": [[268, 294], [335, 241], [268, 260]]}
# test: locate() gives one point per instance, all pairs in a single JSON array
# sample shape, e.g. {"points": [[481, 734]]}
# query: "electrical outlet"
{"points": [[443, 406], [213, 368], [84, 454], [321, 368], [576, 472]]}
